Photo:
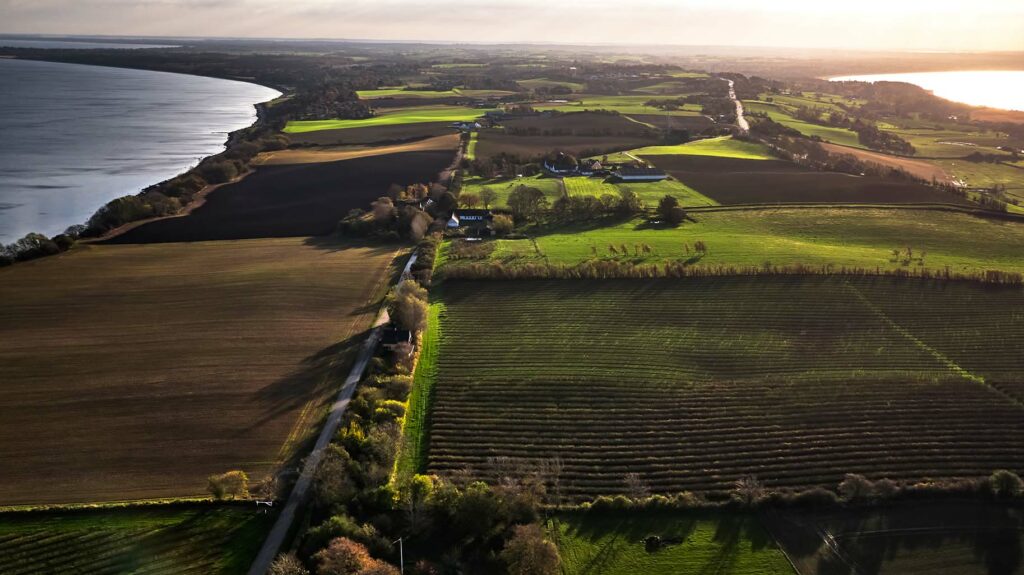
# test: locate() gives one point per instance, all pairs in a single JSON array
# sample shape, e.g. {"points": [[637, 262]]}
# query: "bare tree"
{"points": [[635, 486]]}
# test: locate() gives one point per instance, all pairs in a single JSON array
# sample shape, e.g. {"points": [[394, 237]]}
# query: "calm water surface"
{"points": [[995, 89], [75, 137]]}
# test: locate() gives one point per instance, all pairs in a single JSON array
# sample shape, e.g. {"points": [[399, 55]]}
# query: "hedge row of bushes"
{"points": [[853, 490], [614, 269]]}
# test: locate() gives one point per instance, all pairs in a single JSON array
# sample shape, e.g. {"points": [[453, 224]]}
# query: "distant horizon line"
{"points": [[271, 39]]}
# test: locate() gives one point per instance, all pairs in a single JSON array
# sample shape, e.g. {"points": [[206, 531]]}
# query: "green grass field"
{"points": [[552, 187], [948, 538], [391, 117], [724, 147], [840, 237], [623, 104], [829, 134], [405, 93], [471, 146], [650, 193], [586, 186], [694, 383], [153, 541], [613, 544]]}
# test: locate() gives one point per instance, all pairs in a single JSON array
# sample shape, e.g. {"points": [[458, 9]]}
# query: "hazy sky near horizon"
{"points": [[955, 25]]}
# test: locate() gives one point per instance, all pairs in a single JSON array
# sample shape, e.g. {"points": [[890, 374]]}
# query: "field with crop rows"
{"points": [[585, 186], [692, 384], [815, 237], [613, 544], [190, 359], [154, 541]]}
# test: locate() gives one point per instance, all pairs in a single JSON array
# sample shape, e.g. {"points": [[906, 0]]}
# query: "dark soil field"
{"points": [[578, 133], [135, 372], [292, 200], [579, 124], [389, 134], [735, 181], [494, 143], [695, 383], [694, 124]]}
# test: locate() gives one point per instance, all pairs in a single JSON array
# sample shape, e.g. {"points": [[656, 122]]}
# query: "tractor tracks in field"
{"points": [[938, 355]]}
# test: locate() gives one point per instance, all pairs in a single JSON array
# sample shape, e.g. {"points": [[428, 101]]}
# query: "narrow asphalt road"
{"points": [[741, 121], [297, 498]]}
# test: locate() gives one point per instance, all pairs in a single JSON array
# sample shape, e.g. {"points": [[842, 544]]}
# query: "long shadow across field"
{"points": [[292, 200]]}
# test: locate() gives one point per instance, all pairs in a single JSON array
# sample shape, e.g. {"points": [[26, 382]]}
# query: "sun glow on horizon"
{"points": [[938, 25]]}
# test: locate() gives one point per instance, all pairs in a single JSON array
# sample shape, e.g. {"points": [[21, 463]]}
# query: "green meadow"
{"points": [[391, 117], [552, 187], [829, 134], [613, 544], [724, 147], [621, 104], [840, 237]]}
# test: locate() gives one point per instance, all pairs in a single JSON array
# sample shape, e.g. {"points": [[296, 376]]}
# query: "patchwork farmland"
{"points": [[190, 359], [692, 384]]}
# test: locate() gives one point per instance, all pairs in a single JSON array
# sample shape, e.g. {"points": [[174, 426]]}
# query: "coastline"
{"points": [[232, 138], [948, 85]]}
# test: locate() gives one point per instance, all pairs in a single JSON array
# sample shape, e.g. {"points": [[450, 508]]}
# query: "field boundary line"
{"points": [[297, 497], [938, 355]]}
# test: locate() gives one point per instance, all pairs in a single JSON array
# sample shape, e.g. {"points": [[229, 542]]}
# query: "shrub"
{"points": [[1005, 484], [218, 172], [814, 497], [343, 556], [528, 553], [856, 488], [287, 564], [748, 491], [233, 485], [408, 306], [503, 225]]}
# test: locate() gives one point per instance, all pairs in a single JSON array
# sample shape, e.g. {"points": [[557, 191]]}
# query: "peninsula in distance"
{"points": [[468, 287]]}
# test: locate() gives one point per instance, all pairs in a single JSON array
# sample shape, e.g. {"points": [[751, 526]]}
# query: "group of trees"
{"points": [[670, 211], [581, 208], [35, 245], [399, 215]]}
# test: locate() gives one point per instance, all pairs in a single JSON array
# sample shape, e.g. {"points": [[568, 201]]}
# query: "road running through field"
{"points": [[741, 121], [284, 522]]}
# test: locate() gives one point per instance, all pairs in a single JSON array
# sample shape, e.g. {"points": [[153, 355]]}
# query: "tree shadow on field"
{"points": [[334, 243], [318, 376]]}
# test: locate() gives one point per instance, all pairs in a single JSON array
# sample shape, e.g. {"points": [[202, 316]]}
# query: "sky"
{"points": [[940, 25]]}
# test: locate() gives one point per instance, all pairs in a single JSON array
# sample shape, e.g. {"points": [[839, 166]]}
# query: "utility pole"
{"points": [[401, 555]]}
